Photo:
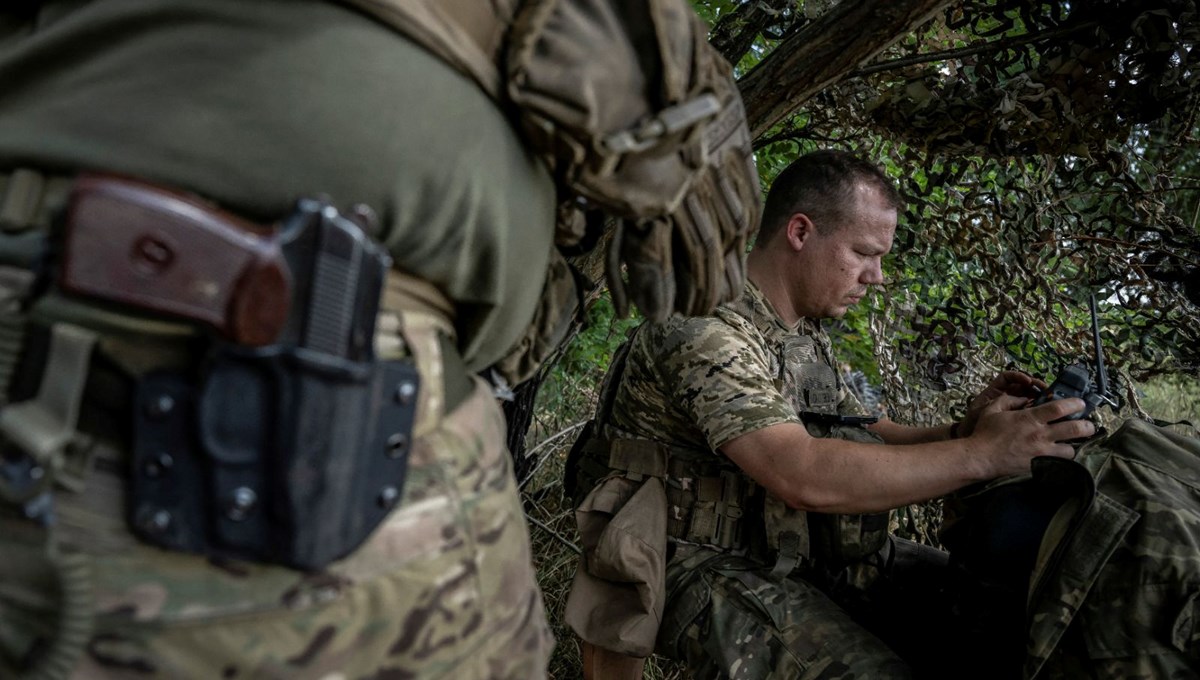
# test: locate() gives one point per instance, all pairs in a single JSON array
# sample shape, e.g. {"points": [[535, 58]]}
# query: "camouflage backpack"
{"points": [[1102, 551], [639, 121]]}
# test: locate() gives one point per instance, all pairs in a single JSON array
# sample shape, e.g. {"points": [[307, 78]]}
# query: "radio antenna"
{"points": [[1101, 373]]}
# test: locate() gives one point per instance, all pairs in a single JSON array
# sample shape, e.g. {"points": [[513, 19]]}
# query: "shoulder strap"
{"points": [[1172, 423], [608, 390], [466, 34]]}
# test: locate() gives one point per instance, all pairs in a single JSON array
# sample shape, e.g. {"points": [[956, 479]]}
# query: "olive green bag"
{"points": [[1103, 552]]}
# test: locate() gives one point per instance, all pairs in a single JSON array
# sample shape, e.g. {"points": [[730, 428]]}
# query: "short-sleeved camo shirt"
{"points": [[700, 382]]}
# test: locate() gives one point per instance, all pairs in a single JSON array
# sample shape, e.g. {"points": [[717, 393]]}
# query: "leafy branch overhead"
{"points": [[1047, 149]]}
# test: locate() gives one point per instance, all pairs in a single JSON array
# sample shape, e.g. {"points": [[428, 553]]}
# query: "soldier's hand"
{"points": [[1012, 383], [1011, 435]]}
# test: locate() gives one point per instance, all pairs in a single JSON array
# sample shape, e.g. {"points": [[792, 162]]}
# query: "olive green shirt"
{"points": [[255, 103]]}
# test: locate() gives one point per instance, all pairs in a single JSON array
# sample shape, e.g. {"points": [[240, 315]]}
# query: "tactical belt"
{"points": [[247, 458]]}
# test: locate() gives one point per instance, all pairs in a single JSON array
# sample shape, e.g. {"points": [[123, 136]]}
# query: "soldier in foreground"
{"points": [[735, 492], [253, 255]]}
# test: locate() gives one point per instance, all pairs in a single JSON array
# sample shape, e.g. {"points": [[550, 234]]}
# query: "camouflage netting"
{"points": [[1047, 150]]}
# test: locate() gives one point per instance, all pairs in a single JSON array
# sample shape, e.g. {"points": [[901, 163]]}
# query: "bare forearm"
{"points": [[839, 476], [895, 433], [833, 475]]}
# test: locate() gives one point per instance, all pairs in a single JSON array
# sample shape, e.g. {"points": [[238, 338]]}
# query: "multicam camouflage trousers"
{"points": [[444, 588], [727, 617]]}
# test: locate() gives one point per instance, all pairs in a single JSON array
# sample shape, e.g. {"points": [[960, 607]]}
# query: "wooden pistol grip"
{"points": [[163, 252]]}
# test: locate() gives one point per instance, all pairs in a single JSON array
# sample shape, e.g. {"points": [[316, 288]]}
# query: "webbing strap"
{"points": [[1171, 423], [788, 557], [415, 306], [468, 35], [28, 198], [42, 427], [639, 457], [608, 389], [403, 292]]}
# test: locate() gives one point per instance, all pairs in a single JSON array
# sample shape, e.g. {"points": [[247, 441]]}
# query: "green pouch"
{"points": [[841, 539]]}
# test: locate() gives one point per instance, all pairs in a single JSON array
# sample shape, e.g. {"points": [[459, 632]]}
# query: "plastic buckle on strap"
{"points": [[20, 200], [43, 428], [789, 555], [668, 122]]}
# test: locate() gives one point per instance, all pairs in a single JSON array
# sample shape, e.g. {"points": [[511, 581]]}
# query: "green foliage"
{"points": [[1172, 398], [851, 336], [593, 348], [568, 394]]}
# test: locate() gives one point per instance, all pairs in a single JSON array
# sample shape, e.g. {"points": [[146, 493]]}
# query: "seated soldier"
{"points": [[773, 487]]}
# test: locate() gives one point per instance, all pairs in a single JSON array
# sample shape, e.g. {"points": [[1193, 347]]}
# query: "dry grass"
{"points": [[564, 404]]}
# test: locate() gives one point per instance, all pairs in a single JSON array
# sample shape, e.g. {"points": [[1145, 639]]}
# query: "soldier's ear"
{"points": [[798, 231]]}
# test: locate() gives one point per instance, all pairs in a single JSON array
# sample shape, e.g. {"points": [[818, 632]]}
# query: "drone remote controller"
{"points": [[1076, 380]]}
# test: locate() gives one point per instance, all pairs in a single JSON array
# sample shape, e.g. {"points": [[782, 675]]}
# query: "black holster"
{"points": [[290, 453], [278, 456]]}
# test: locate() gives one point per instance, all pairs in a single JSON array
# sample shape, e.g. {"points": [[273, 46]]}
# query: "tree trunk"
{"points": [[823, 52]]}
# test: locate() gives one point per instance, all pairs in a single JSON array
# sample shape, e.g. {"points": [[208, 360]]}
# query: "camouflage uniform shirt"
{"points": [[701, 382]]}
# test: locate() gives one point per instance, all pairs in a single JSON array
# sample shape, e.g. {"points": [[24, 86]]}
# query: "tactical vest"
{"points": [[710, 500]]}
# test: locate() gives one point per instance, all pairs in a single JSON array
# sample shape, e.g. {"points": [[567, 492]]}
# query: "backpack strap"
{"points": [[608, 390], [468, 35], [1173, 423]]}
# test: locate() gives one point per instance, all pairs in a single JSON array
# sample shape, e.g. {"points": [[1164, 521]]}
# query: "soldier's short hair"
{"points": [[821, 185]]}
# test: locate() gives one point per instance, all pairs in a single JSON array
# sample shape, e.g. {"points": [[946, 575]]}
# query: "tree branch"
{"points": [[970, 50], [735, 32], [823, 52]]}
